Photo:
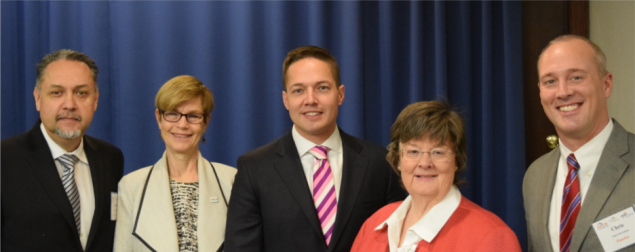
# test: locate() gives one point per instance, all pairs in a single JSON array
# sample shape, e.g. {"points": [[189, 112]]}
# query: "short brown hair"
{"points": [[65, 54], [181, 89], [434, 120], [600, 58], [310, 52]]}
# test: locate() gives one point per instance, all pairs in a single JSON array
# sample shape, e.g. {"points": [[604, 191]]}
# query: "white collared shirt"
{"points": [[335, 157], [82, 180], [588, 157], [426, 228]]}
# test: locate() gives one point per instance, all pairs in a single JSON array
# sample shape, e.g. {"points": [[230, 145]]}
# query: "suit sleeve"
{"points": [[394, 191], [244, 219], [125, 219], [121, 164]]}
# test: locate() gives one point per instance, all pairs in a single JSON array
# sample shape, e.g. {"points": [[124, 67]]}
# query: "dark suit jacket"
{"points": [[612, 189], [36, 213], [272, 208]]}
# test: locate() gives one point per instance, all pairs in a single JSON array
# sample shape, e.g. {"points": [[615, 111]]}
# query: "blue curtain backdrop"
{"points": [[390, 53]]}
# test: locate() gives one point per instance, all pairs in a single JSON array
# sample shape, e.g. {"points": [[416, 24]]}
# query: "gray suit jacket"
{"points": [[612, 189], [145, 213]]}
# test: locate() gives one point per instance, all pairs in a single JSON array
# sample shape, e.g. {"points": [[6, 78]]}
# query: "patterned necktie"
{"points": [[570, 203], [324, 191], [68, 180]]}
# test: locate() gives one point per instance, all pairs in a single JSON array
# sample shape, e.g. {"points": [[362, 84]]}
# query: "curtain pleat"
{"points": [[391, 54]]}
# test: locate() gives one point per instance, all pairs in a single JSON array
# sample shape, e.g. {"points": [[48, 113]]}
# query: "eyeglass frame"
{"points": [[450, 153], [187, 116]]}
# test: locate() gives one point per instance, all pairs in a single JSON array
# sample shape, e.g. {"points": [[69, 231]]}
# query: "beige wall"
{"points": [[612, 27]]}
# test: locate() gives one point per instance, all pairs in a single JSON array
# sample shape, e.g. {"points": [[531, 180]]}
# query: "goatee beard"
{"points": [[72, 134]]}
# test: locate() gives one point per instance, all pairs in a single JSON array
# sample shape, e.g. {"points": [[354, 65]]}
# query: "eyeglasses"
{"points": [[173, 116], [436, 155]]}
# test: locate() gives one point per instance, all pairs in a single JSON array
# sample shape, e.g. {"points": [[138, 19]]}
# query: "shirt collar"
{"points": [[592, 150], [429, 226], [58, 151], [303, 145]]}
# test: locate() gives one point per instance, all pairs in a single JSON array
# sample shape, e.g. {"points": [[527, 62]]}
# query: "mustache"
{"points": [[68, 115]]}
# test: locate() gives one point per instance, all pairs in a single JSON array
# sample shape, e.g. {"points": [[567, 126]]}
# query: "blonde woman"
{"points": [[180, 202]]}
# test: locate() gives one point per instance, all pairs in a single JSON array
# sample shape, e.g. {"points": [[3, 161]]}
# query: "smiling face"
{"points": [[425, 178], [67, 100], [182, 137], [572, 92], [312, 98]]}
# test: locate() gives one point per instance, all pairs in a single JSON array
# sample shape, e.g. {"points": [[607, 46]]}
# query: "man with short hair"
{"points": [[58, 185], [590, 176], [312, 189]]}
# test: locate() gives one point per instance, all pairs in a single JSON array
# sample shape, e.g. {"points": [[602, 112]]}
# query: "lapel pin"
{"points": [[214, 199]]}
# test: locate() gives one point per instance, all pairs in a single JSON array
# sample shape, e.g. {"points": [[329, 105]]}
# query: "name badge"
{"points": [[616, 231], [113, 206]]}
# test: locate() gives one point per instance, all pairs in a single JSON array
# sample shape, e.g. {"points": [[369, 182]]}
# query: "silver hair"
{"points": [[71, 134], [65, 54]]}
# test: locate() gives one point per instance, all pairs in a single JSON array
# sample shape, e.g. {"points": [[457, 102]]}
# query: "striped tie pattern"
{"points": [[324, 191], [68, 180], [570, 203]]}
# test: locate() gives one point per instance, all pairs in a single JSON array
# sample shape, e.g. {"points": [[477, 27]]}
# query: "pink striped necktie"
{"points": [[324, 191], [570, 203]]}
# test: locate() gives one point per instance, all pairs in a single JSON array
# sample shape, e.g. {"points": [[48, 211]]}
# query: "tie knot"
{"points": [[68, 160], [319, 151], [572, 162]]}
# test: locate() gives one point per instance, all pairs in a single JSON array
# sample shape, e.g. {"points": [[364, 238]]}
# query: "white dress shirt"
{"points": [[335, 155], [82, 180], [426, 228], [588, 157]]}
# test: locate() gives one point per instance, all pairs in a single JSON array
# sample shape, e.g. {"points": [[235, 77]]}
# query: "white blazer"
{"points": [[145, 213]]}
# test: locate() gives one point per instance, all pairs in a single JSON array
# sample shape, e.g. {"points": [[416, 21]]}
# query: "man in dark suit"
{"points": [[312, 189], [590, 176], [58, 185]]}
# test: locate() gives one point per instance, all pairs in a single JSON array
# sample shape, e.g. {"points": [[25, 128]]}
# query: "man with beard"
{"points": [[59, 185]]}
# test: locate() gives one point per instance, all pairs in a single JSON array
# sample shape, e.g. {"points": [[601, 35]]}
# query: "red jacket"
{"points": [[470, 228]]}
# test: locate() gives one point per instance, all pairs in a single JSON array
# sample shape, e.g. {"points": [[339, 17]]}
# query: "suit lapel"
{"points": [[45, 170], [607, 174], [95, 163], [212, 210], [289, 168], [544, 192], [353, 171], [155, 224]]}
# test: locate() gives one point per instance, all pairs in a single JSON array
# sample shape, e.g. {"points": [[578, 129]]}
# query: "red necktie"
{"points": [[570, 203]]}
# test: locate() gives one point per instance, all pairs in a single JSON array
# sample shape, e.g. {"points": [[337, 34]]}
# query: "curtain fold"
{"points": [[390, 53]]}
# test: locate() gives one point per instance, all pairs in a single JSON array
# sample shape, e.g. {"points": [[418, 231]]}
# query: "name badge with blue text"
{"points": [[616, 231]]}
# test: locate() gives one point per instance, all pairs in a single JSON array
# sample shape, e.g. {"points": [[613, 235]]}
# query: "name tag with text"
{"points": [[616, 231]]}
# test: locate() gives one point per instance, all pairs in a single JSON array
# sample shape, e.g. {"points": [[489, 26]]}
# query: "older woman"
{"points": [[180, 202], [427, 151]]}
